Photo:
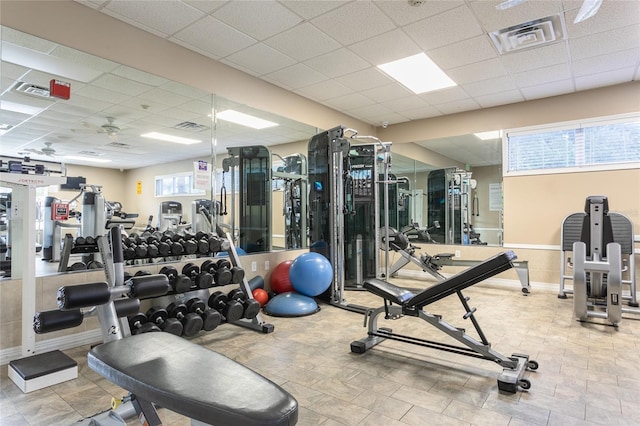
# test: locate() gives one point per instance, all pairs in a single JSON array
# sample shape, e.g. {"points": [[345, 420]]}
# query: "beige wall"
{"points": [[536, 205], [111, 181], [487, 222]]}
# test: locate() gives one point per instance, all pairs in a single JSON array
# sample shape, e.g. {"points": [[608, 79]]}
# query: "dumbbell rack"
{"points": [[69, 248], [176, 297]]}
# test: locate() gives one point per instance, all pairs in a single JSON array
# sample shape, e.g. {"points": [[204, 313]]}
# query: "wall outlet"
{"points": [[457, 254], [254, 266], [266, 265]]}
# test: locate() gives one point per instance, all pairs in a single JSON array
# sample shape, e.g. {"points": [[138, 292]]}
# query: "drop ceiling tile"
{"points": [[164, 97], [197, 49], [546, 90], [410, 102], [436, 31], [207, 6], [609, 78], [125, 114], [403, 13], [502, 98], [609, 41], [354, 22], [187, 91], [386, 93], [463, 53], [489, 86], [539, 57], [542, 75], [442, 96], [337, 63], [311, 9], [260, 59], [389, 118], [297, 76], [482, 70], [257, 19], [12, 71], [349, 102], [121, 85], [142, 104], [227, 39], [165, 17], [610, 16], [364, 79], [386, 47], [19, 38], [324, 90], [91, 104], [101, 94], [139, 76], [302, 42], [493, 19], [608, 62], [457, 106]]}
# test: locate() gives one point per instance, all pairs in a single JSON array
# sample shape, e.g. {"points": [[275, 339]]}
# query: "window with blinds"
{"points": [[569, 147]]}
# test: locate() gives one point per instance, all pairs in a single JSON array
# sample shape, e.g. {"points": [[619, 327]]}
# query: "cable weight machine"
{"points": [[345, 219]]}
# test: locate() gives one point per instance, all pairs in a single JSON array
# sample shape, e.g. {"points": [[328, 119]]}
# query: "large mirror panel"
{"points": [[112, 135]]}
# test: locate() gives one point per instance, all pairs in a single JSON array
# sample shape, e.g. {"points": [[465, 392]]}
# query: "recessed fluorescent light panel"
{"points": [[244, 119], [485, 136], [21, 108], [88, 159], [418, 73], [170, 138]]}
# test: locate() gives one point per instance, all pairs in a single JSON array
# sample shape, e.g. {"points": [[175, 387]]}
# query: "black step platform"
{"points": [[42, 370], [193, 381]]}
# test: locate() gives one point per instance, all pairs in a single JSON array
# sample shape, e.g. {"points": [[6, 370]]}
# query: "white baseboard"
{"points": [[65, 342]]}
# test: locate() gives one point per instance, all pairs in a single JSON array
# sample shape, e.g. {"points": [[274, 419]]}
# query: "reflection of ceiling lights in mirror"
{"points": [[485, 136], [244, 119], [88, 159], [21, 108], [418, 73], [170, 138]]}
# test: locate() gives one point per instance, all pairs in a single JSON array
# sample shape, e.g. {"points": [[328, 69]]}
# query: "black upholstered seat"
{"points": [[191, 380]]}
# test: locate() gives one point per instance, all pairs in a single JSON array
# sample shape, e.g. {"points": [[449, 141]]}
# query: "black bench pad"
{"points": [[388, 291], [490, 267], [193, 381]]}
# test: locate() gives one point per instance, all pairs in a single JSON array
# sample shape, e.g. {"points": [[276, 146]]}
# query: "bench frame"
{"points": [[397, 305]]}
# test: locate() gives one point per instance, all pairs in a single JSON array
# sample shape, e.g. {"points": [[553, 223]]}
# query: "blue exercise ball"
{"points": [[311, 274], [291, 304]]}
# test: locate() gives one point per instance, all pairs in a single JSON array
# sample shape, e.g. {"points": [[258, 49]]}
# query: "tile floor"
{"points": [[589, 373]]}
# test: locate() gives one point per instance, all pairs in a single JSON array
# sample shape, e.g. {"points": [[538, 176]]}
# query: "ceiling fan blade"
{"points": [[588, 9], [509, 4]]}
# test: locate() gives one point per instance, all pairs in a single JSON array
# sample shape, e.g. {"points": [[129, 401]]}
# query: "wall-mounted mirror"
{"points": [[112, 134], [454, 204]]}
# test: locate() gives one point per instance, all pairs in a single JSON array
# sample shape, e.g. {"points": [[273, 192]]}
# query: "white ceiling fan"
{"points": [[46, 150], [109, 128], [588, 9]]}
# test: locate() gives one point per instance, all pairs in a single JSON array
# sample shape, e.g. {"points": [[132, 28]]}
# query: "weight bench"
{"points": [[191, 380], [400, 302]]}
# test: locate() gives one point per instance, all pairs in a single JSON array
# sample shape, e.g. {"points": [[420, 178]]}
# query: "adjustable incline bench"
{"points": [[400, 302], [159, 368]]}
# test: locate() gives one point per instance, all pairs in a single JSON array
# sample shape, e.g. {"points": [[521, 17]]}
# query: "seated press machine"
{"points": [[602, 246]]}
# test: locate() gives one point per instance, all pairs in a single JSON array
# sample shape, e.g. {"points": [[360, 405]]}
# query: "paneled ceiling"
{"points": [[327, 51]]}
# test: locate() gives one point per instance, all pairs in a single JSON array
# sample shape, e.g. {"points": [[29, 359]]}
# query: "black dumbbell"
{"points": [[191, 323], [160, 317], [142, 273], [210, 317], [250, 306], [215, 244], [180, 283], [80, 241], [141, 250], [202, 279], [139, 323], [237, 275], [232, 310], [90, 241], [220, 270], [77, 266], [164, 249], [189, 246], [203, 245], [94, 264]]}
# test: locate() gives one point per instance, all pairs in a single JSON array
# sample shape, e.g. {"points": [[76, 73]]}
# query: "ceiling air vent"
{"points": [[90, 153], [190, 126], [32, 89], [529, 34], [119, 145]]}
